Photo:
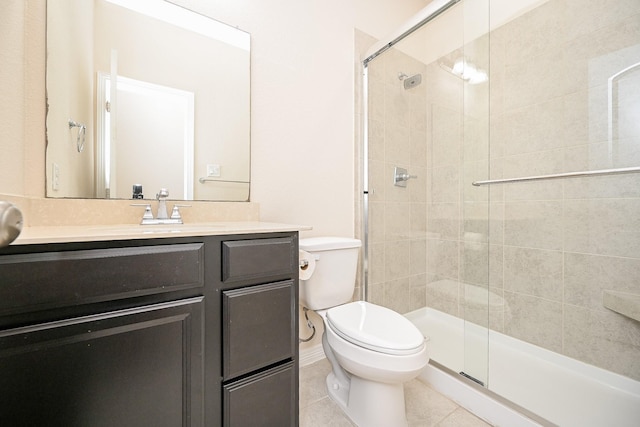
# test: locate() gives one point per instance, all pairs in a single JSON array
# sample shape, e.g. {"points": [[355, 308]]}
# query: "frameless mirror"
{"points": [[149, 94]]}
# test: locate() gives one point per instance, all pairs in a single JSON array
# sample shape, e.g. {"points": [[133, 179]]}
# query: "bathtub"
{"points": [[555, 388]]}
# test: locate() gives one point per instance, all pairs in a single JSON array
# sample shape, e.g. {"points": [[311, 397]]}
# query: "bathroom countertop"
{"points": [[91, 233]]}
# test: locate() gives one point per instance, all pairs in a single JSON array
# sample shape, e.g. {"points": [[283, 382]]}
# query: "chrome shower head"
{"points": [[413, 81]]}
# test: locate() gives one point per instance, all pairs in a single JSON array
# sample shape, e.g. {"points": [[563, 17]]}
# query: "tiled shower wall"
{"points": [[546, 249]]}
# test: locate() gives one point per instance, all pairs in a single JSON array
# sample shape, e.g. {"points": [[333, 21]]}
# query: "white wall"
{"points": [[22, 89]]}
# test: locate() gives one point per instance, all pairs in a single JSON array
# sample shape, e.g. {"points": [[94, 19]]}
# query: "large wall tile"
{"points": [[444, 184], [446, 136], [418, 142], [533, 33], [376, 263], [418, 291], [475, 222], [534, 320], [376, 139], [376, 222], [538, 127], [397, 148], [397, 259], [443, 220], [585, 18], [604, 339], [397, 295], [601, 187], [587, 276], [533, 224], [397, 221], [418, 257], [603, 226], [533, 272], [376, 181], [474, 267], [418, 215], [418, 186], [533, 82], [442, 258], [443, 294]]}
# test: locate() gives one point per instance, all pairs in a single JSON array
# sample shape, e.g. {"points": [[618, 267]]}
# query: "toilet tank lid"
{"points": [[328, 243]]}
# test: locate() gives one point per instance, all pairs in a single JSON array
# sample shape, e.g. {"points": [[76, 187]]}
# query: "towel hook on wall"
{"points": [[82, 131]]}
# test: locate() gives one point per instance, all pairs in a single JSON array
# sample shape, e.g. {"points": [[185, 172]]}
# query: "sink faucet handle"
{"points": [[175, 212], [148, 214], [162, 194], [162, 204]]}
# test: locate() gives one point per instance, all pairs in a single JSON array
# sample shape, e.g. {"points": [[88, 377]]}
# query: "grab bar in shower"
{"points": [[559, 175]]}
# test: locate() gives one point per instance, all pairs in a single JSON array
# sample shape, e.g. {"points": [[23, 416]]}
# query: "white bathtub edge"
{"points": [[482, 405]]}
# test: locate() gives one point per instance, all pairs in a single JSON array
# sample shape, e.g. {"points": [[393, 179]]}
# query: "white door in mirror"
{"points": [[10, 223]]}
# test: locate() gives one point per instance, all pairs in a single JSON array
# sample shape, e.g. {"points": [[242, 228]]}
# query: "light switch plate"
{"points": [[213, 170]]}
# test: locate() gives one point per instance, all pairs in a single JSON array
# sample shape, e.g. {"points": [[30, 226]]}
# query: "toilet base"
{"points": [[369, 403]]}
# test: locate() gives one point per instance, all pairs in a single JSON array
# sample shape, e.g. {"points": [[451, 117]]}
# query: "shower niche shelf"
{"points": [[626, 304]]}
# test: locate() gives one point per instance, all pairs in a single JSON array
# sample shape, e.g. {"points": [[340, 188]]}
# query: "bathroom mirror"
{"points": [[145, 93]]}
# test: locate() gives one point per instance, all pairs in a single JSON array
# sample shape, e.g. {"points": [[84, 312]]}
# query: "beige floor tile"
{"points": [[312, 382], [425, 406], [323, 413], [462, 418]]}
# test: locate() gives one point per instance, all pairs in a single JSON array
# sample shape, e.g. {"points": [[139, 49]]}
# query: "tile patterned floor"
{"points": [[425, 406]]}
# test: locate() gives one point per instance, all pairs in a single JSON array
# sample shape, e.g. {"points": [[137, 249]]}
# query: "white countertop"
{"points": [[92, 233]]}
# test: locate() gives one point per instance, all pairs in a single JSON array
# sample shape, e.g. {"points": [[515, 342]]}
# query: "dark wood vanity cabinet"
{"points": [[259, 332], [161, 332]]}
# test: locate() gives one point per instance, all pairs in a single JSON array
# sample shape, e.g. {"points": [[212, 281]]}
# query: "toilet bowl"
{"points": [[369, 367], [373, 350]]}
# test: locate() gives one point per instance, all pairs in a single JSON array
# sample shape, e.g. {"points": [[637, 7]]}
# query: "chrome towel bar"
{"points": [[559, 175], [204, 180]]}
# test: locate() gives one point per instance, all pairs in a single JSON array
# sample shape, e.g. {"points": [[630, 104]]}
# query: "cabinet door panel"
{"points": [[257, 327], [267, 399], [136, 367], [244, 260], [39, 281]]}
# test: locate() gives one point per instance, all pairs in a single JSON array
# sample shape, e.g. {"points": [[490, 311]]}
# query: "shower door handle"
{"points": [[401, 176]]}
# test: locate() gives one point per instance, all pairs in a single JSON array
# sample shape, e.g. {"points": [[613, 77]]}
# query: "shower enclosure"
{"points": [[501, 184]]}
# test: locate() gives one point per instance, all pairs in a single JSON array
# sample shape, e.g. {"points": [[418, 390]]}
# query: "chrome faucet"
{"points": [[162, 216], [161, 197]]}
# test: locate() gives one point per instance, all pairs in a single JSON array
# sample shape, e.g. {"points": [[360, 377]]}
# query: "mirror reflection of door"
{"points": [[155, 126]]}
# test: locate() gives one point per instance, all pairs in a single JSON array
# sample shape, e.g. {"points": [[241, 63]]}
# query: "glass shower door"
{"points": [[475, 240], [427, 235]]}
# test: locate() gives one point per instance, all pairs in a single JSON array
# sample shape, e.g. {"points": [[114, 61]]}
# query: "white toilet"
{"points": [[373, 350]]}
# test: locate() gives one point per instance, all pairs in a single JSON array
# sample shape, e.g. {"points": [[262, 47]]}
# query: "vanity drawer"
{"points": [[256, 259], [39, 281], [264, 399], [258, 327]]}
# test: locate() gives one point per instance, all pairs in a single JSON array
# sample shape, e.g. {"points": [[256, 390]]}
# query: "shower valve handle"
{"points": [[406, 177], [401, 176]]}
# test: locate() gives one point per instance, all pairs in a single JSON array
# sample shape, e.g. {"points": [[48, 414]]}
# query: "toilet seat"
{"points": [[375, 328]]}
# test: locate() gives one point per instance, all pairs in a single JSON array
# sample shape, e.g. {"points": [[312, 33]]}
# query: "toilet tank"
{"points": [[334, 278]]}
